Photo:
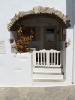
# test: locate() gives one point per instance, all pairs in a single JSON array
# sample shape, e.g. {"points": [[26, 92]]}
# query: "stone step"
{"points": [[44, 76], [47, 70], [49, 83], [45, 66], [48, 80], [47, 73]]}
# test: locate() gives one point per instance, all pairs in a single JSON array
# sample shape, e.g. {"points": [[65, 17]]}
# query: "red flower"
{"points": [[24, 36], [16, 41], [32, 32], [23, 26]]}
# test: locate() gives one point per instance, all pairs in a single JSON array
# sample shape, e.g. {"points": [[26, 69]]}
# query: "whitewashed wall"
{"points": [[69, 37], [8, 63], [73, 70], [15, 70]]}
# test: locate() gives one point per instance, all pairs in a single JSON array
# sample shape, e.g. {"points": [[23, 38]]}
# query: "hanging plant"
{"points": [[24, 40]]}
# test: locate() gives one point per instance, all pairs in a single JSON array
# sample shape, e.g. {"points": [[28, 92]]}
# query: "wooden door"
{"points": [[50, 37]]}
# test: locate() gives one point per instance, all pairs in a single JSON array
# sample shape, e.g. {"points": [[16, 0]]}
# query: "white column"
{"points": [[69, 56], [69, 37], [73, 75]]}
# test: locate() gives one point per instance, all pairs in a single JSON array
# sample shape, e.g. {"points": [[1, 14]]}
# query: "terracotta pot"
{"points": [[21, 48]]}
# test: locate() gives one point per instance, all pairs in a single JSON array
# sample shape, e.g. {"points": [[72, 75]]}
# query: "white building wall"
{"points": [[15, 70], [69, 38], [73, 75], [8, 63]]}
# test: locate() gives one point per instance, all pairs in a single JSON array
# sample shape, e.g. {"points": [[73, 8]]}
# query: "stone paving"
{"points": [[38, 93]]}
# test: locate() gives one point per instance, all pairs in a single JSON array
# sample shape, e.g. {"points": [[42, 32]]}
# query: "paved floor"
{"points": [[46, 93]]}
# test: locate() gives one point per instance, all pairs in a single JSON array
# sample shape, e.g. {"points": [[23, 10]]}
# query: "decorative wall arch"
{"points": [[38, 12]]}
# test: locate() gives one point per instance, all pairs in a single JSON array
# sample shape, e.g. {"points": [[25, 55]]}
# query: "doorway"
{"points": [[50, 37]]}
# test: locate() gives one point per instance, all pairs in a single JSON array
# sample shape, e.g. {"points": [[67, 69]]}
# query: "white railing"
{"points": [[48, 58]]}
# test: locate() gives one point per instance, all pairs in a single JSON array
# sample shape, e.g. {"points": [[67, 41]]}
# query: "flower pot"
{"points": [[21, 48]]}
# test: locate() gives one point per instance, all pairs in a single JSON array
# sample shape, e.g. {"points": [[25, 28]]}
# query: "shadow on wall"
{"points": [[69, 12]]}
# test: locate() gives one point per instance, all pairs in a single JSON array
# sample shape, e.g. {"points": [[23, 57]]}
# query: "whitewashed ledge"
{"points": [[31, 50]]}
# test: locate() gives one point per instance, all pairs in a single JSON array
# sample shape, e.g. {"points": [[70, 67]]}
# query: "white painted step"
{"points": [[48, 80], [49, 84], [39, 65], [47, 70], [43, 76]]}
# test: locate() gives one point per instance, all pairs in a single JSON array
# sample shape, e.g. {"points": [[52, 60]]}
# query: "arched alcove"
{"points": [[39, 13]]}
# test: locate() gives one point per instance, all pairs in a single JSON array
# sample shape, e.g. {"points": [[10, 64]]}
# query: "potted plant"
{"points": [[24, 40]]}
